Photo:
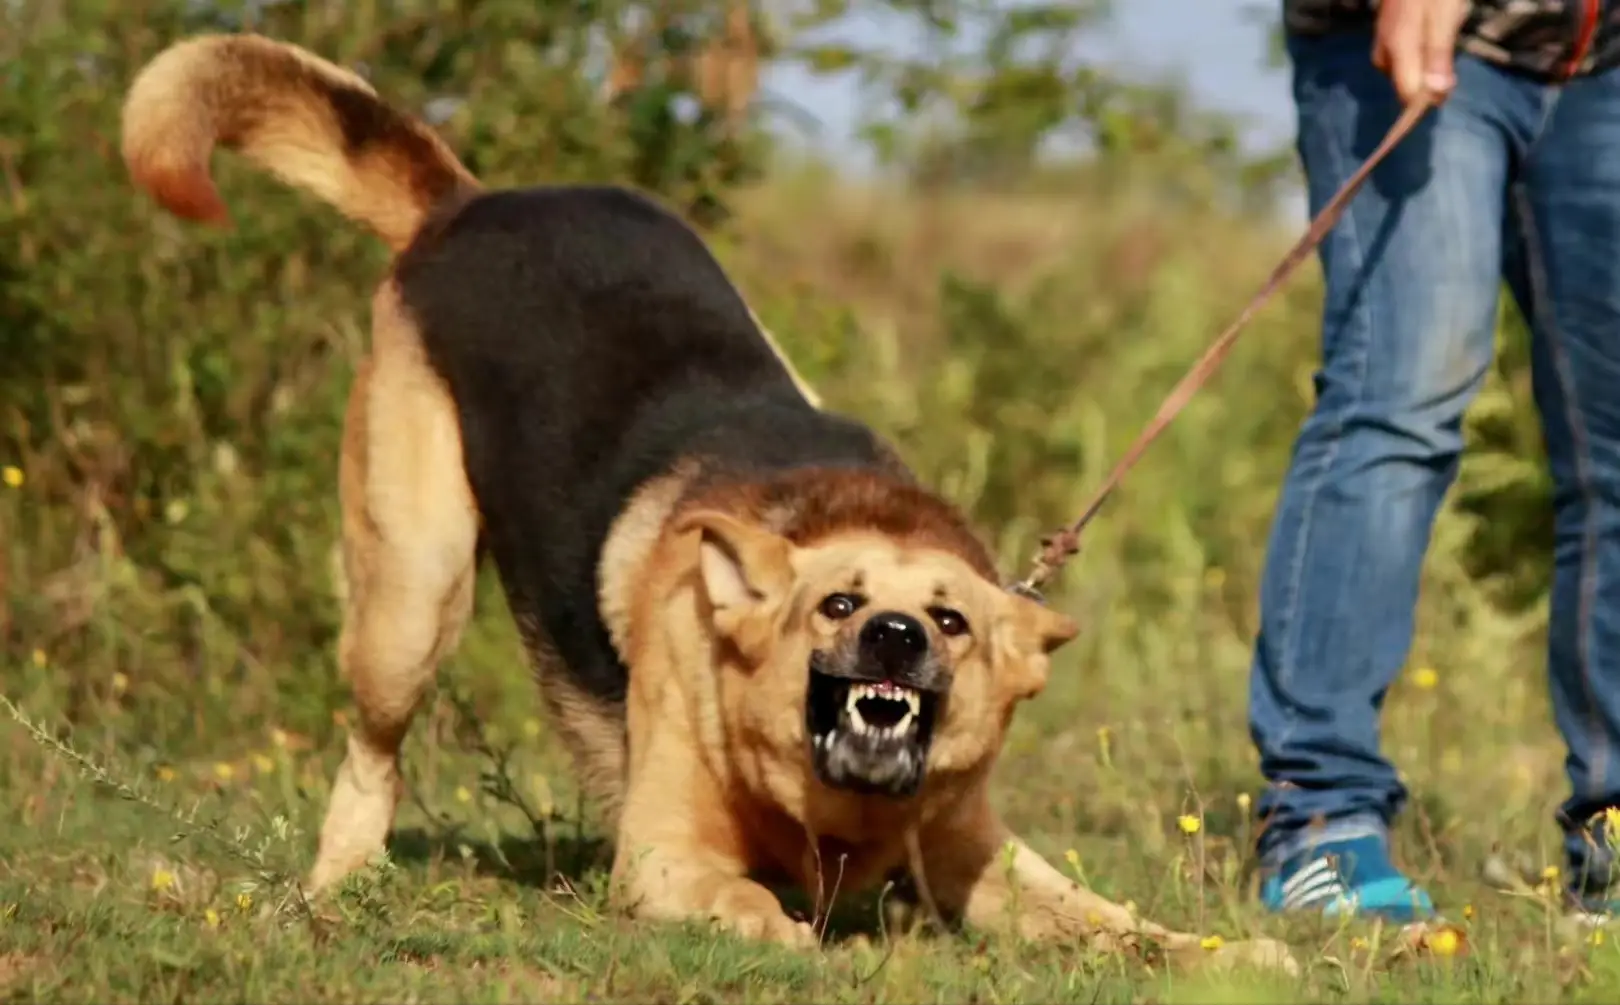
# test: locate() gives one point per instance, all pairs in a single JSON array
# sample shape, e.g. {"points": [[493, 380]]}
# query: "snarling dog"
{"points": [[766, 646]]}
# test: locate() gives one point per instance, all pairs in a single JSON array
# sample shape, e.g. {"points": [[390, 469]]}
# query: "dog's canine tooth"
{"points": [[913, 700]]}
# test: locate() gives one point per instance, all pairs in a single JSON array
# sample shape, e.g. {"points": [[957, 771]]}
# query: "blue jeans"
{"points": [[1511, 180]]}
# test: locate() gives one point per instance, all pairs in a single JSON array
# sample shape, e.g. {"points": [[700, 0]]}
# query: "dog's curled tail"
{"points": [[314, 125]]}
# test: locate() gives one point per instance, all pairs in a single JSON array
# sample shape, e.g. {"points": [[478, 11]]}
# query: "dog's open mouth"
{"points": [[869, 736]]}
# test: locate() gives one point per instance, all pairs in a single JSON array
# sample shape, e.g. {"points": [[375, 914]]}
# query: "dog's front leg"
{"points": [[977, 869], [682, 855], [676, 882]]}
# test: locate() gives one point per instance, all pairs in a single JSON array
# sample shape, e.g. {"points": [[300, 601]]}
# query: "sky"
{"points": [[1214, 46]]}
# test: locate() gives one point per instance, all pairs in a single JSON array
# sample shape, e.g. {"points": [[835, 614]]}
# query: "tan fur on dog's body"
{"points": [[709, 593]]}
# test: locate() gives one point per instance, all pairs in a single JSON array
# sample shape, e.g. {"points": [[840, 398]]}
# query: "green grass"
{"points": [[132, 877]]}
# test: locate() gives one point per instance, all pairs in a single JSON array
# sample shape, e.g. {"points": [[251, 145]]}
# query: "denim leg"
{"points": [[1412, 274], [1564, 268]]}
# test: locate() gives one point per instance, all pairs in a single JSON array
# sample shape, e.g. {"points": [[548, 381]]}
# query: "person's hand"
{"points": [[1415, 43]]}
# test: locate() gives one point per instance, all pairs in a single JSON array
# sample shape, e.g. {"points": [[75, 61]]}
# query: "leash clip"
{"points": [[1024, 588]]}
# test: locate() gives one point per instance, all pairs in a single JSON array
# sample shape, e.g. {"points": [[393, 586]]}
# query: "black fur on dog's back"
{"points": [[591, 342]]}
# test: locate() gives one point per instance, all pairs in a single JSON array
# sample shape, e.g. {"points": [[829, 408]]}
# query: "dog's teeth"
{"points": [[913, 701]]}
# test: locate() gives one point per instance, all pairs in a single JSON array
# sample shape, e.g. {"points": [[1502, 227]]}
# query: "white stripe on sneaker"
{"points": [[1308, 874], [1327, 888]]}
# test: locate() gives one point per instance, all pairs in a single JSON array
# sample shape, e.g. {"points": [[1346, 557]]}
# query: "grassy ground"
{"points": [[183, 624], [139, 878]]}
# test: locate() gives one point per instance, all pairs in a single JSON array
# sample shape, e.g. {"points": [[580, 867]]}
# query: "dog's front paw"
{"points": [[777, 927], [753, 912], [1262, 954]]}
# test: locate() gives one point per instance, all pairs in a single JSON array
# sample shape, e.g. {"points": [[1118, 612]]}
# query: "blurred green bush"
{"points": [[171, 395]]}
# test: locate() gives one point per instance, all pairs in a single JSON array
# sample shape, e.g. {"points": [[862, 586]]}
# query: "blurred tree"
{"points": [[174, 393], [995, 90]]}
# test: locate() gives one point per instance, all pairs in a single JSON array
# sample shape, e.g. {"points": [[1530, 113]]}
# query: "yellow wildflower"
{"points": [[1596, 938], [462, 795], [531, 728], [1073, 858], [120, 683], [224, 771], [162, 879], [1611, 819], [278, 737], [1244, 801], [211, 916], [39, 657], [1357, 942], [165, 773], [244, 901], [1550, 874], [263, 764], [1425, 678], [1189, 824], [1212, 942], [1444, 943], [13, 475], [1468, 912]]}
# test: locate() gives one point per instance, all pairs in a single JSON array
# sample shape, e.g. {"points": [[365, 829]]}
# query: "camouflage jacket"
{"points": [[1549, 39]]}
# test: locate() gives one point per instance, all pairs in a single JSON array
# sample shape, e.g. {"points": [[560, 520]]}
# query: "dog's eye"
{"points": [[950, 622], [838, 606]]}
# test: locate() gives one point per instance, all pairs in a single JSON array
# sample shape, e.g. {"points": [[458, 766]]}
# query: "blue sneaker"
{"points": [[1590, 910], [1592, 892], [1354, 875]]}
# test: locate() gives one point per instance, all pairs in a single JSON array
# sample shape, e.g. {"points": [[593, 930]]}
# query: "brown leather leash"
{"points": [[1057, 548]]}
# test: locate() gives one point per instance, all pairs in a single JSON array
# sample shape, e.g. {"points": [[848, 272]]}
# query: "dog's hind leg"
{"points": [[410, 534]]}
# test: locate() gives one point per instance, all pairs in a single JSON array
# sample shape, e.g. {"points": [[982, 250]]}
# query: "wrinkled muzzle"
{"points": [[872, 704]]}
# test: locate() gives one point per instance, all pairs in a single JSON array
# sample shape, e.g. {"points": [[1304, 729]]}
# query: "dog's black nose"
{"points": [[893, 640]]}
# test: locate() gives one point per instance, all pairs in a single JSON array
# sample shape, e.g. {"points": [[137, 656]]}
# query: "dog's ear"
{"points": [[746, 571], [1029, 632]]}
